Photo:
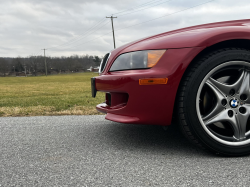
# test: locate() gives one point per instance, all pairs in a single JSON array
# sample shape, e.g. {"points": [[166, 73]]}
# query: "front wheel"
{"points": [[214, 102]]}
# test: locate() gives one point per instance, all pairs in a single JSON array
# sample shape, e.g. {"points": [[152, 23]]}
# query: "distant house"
{"points": [[21, 74], [4, 74], [12, 73], [53, 72], [95, 69], [81, 70]]}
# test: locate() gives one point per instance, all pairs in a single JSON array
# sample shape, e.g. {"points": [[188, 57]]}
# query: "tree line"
{"points": [[35, 65]]}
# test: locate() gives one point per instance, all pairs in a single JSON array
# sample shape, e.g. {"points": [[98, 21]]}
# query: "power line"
{"points": [[81, 36], [144, 8], [166, 15], [83, 33], [147, 21], [138, 6], [84, 36], [45, 62], [150, 2]]}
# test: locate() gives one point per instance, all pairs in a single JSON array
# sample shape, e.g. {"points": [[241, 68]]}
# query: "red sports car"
{"points": [[197, 76]]}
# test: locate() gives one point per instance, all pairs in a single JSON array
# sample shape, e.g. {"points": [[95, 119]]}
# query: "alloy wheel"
{"points": [[223, 103]]}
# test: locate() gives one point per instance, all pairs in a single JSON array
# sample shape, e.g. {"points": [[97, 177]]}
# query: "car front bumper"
{"points": [[129, 102]]}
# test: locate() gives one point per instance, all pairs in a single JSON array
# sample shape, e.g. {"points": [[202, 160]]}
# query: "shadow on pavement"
{"points": [[151, 138]]}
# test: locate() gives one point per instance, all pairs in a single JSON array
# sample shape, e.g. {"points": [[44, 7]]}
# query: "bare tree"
{"points": [[4, 66], [35, 64]]}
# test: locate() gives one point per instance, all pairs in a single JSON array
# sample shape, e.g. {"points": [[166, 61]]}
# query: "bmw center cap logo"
{"points": [[234, 103]]}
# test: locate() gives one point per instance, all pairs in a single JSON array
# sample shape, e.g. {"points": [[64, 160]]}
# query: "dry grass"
{"points": [[52, 95], [46, 111]]}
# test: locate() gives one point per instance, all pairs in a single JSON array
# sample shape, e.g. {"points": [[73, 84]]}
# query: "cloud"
{"points": [[63, 26]]}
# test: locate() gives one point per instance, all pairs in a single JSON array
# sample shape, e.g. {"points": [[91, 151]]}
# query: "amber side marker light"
{"points": [[153, 81]]}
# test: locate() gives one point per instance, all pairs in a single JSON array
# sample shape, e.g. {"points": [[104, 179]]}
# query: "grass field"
{"points": [[68, 94]]}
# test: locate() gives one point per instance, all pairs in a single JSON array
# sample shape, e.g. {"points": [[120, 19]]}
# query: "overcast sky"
{"points": [[68, 27]]}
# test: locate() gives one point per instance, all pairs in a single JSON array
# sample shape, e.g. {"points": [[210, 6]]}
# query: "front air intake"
{"points": [[104, 62]]}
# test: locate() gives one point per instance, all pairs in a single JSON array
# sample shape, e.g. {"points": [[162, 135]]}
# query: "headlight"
{"points": [[137, 60]]}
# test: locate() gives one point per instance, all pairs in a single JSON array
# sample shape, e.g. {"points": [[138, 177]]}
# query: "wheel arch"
{"points": [[233, 43]]}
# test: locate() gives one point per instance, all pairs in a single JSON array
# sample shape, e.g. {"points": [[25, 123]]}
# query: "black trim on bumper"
{"points": [[93, 89]]}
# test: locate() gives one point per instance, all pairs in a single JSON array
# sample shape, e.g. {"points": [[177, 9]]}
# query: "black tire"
{"points": [[188, 119]]}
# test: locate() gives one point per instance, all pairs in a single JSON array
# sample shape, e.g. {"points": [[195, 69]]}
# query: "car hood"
{"points": [[195, 36]]}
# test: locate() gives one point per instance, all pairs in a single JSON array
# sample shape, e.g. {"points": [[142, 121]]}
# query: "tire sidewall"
{"points": [[190, 112]]}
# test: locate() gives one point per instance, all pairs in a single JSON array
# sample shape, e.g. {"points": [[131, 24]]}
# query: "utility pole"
{"points": [[111, 17], [25, 70], [45, 63]]}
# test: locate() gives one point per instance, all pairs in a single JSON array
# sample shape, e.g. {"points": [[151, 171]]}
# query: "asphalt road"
{"points": [[90, 151]]}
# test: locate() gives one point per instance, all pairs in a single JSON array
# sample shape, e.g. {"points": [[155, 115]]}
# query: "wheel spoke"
{"points": [[223, 116], [245, 87], [219, 95], [216, 110], [218, 118], [242, 123], [218, 107], [242, 119], [225, 88]]}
